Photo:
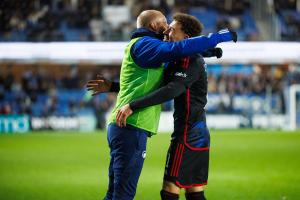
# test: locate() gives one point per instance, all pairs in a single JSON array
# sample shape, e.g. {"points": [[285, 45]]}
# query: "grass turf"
{"points": [[245, 164]]}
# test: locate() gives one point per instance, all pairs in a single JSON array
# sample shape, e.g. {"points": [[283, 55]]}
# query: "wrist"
{"points": [[132, 106], [113, 87], [233, 35]]}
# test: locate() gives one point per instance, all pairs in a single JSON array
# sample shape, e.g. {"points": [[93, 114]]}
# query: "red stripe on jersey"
{"points": [[187, 63], [180, 159], [174, 161]]}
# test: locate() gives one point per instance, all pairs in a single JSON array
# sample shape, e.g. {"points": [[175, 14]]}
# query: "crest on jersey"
{"points": [[144, 154]]}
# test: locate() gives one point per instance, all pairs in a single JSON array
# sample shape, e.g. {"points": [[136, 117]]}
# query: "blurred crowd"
{"points": [[96, 20], [256, 81], [289, 18], [38, 93]]}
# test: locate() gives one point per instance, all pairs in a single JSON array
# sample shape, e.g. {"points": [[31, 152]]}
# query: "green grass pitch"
{"points": [[244, 165]]}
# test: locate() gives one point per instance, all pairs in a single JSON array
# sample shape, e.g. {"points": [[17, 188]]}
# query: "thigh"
{"points": [[194, 189], [128, 147], [193, 168], [125, 143], [171, 187], [186, 167]]}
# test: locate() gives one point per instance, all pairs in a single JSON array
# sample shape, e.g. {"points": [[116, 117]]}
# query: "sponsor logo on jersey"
{"points": [[180, 74]]}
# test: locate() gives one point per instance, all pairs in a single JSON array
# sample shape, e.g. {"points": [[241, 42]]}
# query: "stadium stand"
{"points": [[35, 93], [87, 21], [39, 93], [289, 18]]}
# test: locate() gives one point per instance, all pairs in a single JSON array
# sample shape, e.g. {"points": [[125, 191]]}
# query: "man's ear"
{"points": [[152, 26]]}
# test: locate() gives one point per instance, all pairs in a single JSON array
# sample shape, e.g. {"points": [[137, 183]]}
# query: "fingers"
{"points": [[95, 82], [94, 85], [95, 93], [124, 119], [91, 85], [121, 118], [118, 118], [91, 88]]}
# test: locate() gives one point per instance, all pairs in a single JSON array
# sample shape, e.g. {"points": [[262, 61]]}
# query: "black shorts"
{"points": [[187, 164]]}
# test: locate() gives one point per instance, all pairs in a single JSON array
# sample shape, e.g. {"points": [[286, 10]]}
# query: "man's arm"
{"points": [[102, 85], [151, 52], [177, 86], [173, 89], [115, 87]]}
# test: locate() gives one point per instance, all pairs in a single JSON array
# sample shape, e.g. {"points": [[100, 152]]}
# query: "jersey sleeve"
{"points": [[115, 87], [179, 81], [151, 52]]}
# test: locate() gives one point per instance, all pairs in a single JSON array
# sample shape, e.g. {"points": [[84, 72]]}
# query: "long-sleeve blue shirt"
{"points": [[150, 51]]}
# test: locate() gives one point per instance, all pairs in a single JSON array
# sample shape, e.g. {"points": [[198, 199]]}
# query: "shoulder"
{"points": [[197, 59], [145, 44], [147, 40]]}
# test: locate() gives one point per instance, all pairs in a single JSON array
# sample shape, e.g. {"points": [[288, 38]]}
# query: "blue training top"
{"points": [[151, 51]]}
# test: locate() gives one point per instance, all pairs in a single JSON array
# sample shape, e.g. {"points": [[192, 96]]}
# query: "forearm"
{"points": [[201, 44], [163, 94], [173, 50]]}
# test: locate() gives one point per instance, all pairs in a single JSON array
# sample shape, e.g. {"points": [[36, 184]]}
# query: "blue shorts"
{"points": [[127, 153]]}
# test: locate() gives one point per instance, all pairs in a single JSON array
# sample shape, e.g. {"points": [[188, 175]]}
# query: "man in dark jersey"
{"points": [[186, 81], [187, 162]]}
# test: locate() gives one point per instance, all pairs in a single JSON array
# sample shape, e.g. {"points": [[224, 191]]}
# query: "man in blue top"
{"points": [[150, 50], [128, 143]]}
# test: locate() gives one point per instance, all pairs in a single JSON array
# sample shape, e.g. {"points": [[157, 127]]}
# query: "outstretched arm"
{"points": [[177, 86], [150, 52], [102, 85]]}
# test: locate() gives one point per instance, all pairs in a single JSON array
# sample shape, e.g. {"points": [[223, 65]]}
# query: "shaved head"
{"points": [[148, 17]]}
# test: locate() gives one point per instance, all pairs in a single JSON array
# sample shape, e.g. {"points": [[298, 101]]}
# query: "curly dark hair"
{"points": [[189, 24]]}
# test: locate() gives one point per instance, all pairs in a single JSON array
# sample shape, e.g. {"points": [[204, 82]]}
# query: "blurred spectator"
{"points": [[285, 4], [6, 109], [289, 18]]}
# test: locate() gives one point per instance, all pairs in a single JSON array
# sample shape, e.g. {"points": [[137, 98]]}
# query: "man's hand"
{"points": [[122, 115], [218, 52], [234, 35], [99, 85], [214, 52]]}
